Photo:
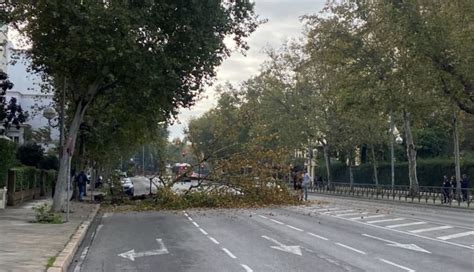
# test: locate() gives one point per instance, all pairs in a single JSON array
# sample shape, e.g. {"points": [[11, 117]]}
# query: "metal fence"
{"points": [[425, 194]]}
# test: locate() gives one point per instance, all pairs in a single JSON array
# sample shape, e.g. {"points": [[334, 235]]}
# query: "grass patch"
{"points": [[50, 262], [45, 215]]}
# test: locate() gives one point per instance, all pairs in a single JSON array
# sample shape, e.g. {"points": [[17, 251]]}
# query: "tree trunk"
{"points": [[60, 195], [374, 164], [457, 159], [327, 159], [411, 154]]}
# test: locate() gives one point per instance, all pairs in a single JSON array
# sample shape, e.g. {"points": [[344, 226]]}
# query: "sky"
{"points": [[283, 24]]}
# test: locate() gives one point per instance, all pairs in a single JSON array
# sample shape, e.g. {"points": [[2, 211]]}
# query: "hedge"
{"points": [[429, 172], [7, 159]]}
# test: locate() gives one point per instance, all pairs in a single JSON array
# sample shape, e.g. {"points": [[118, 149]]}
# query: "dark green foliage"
{"points": [[430, 172], [30, 154], [7, 159], [49, 162]]}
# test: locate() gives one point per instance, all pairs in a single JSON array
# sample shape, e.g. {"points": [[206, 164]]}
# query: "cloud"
{"points": [[283, 24]]}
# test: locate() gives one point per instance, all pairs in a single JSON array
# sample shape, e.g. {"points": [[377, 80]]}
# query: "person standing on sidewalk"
{"points": [[81, 180], [306, 182], [464, 188]]}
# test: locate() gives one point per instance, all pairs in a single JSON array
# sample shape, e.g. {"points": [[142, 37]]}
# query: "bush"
{"points": [[30, 154], [45, 215], [7, 159], [26, 178]]}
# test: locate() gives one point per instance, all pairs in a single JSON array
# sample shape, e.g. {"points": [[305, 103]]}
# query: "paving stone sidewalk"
{"points": [[27, 246]]}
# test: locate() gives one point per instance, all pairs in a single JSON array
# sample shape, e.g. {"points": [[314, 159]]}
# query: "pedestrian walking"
{"points": [[306, 183], [446, 189], [465, 188], [81, 181]]}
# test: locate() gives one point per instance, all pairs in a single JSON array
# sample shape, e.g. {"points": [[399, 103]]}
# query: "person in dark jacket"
{"points": [[81, 180], [446, 189], [465, 188]]}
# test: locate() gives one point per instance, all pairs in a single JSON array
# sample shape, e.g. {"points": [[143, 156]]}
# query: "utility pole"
{"points": [[392, 152]]}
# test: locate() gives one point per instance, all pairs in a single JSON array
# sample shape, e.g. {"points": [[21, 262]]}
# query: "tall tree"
{"points": [[157, 55]]}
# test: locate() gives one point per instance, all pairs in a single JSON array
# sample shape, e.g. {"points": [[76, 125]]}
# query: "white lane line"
{"points": [[106, 215], [247, 269], [203, 231], [317, 236], [386, 220], [456, 235], [213, 240], [99, 227], [185, 213], [431, 229], [342, 211], [397, 265], [405, 225], [295, 228], [325, 209], [368, 217], [263, 216], [276, 221], [196, 224], [356, 213], [229, 253], [190, 219], [351, 248]]}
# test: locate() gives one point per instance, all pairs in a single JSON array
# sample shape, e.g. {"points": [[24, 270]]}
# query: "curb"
{"points": [[64, 258]]}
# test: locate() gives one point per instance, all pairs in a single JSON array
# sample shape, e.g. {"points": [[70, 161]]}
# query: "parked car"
{"points": [[127, 186]]}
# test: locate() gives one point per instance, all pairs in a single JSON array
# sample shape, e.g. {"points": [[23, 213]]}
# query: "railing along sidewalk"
{"points": [[427, 194]]}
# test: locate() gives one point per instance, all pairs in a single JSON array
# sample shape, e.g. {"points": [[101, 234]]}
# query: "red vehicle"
{"points": [[182, 169]]}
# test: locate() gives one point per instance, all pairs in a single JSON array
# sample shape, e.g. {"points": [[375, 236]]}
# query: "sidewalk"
{"points": [[26, 246]]}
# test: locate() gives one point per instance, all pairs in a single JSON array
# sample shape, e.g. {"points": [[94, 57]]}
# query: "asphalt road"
{"points": [[330, 234]]}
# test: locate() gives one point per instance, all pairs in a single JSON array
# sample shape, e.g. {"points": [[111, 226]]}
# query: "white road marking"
{"points": [[290, 249], [263, 216], [386, 220], [106, 215], [81, 260], [408, 233], [295, 228], [368, 217], [203, 231], [196, 224], [276, 221], [431, 229], [190, 219], [325, 209], [342, 211], [348, 214], [351, 248], [229, 253], [317, 236], [247, 269], [396, 244], [185, 213], [213, 240], [456, 235], [131, 254], [397, 265], [405, 225]]}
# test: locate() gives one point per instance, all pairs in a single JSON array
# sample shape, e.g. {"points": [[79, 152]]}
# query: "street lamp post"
{"points": [[394, 137]]}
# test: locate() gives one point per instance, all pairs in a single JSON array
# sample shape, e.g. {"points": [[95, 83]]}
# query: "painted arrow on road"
{"points": [[396, 244], [131, 254], [290, 249]]}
